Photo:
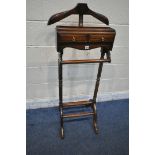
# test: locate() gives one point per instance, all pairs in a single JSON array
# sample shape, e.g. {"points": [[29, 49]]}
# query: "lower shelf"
{"points": [[77, 114], [78, 103], [73, 114]]}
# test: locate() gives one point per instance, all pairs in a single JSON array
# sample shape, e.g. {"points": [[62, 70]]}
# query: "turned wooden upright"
{"points": [[82, 38]]}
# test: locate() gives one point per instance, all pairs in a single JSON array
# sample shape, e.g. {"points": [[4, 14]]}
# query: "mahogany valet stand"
{"points": [[82, 38]]}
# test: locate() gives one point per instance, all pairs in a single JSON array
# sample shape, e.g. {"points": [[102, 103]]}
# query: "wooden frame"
{"points": [[81, 37], [80, 9]]}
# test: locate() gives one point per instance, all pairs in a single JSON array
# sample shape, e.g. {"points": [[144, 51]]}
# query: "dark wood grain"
{"points": [[82, 38], [78, 103], [81, 9], [85, 61], [81, 114]]}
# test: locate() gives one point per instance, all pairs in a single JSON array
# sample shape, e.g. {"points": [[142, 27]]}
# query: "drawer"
{"points": [[72, 38], [101, 38], [85, 38]]}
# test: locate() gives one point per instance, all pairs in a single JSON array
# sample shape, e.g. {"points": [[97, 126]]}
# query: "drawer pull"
{"points": [[73, 39], [102, 38]]}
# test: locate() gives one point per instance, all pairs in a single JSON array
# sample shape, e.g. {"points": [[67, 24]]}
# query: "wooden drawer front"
{"points": [[85, 38], [101, 38], [72, 38]]}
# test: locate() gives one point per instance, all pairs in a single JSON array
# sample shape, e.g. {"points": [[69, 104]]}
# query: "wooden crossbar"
{"points": [[77, 114], [85, 61]]}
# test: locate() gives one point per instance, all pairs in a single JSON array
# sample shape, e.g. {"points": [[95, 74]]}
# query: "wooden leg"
{"points": [[95, 118], [61, 122], [91, 102], [96, 90], [60, 93]]}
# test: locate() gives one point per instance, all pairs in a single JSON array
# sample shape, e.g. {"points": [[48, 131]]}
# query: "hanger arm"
{"points": [[59, 16], [81, 9], [99, 16]]}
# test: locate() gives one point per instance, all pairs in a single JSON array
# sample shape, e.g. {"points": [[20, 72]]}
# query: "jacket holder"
{"points": [[85, 43]]}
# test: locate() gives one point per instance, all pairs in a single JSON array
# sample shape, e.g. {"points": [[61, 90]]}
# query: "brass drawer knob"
{"points": [[102, 38], [73, 39]]}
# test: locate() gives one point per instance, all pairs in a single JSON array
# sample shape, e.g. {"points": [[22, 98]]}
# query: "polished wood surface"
{"points": [[80, 114], [82, 38], [81, 9], [85, 61], [78, 103], [85, 38]]}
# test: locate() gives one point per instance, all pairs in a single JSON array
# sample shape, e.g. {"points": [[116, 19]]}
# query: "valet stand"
{"points": [[82, 38]]}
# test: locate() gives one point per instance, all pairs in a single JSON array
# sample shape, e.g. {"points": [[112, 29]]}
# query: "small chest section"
{"points": [[85, 38]]}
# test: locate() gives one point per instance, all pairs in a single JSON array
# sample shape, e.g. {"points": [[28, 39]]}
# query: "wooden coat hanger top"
{"points": [[81, 9]]}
